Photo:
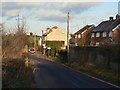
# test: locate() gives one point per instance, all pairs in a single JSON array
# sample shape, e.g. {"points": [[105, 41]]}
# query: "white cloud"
{"points": [[62, 6], [52, 16], [12, 12], [48, 10], [59, 0]]}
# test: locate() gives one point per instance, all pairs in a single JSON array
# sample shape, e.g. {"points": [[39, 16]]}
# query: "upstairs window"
{"points": [[93, 34], [110, 34], [76, 36], [79, 36], [104, 34], [98, 34]]}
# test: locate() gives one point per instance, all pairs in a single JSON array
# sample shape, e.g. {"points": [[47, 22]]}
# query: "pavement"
{"points": [[49, 74]]}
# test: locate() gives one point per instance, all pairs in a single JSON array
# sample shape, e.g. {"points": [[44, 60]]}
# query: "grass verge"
{"points": [[98, 72]]}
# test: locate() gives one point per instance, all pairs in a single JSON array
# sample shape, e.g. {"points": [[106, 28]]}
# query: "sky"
{"points": [[40, 15]]}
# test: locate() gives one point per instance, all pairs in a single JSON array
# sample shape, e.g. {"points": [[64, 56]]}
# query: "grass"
{"points": [[26, 79], [98, 72]]}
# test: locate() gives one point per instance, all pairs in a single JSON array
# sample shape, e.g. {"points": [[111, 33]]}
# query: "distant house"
{"points": [[106, 31], [83, 35], [72, 39], [32, 38], [29, 33], [56, 34]]}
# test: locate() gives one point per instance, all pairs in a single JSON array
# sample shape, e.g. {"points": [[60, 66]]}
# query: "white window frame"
{"points": [[97, 43], [98, 34], [93, 35], [76, 36], [79, 35], [110, 34], [104, 34]]}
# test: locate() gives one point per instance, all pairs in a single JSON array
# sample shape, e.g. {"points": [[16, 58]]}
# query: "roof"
{"points": [[107, 26], [83, 29], [49, 30]]}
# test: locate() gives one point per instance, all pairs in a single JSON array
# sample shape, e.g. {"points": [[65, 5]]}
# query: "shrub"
{"points": [[53, 52], [80, 44]]}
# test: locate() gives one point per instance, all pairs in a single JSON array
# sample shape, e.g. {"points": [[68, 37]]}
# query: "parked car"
{"points": [[31, 50]]}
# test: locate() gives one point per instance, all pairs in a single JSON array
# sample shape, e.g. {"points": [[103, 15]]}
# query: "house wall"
{"points": [[101, 39], [58, 34], [84, 36], [116, 35], [77, 40]]}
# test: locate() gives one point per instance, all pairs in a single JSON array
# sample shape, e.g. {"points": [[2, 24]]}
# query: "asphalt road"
{"points": [[50, 74]]}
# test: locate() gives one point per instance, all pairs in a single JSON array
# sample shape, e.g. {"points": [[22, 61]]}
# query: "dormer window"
{"points": [[110, 34], [79, 36], [104, 34], [97, 34]]}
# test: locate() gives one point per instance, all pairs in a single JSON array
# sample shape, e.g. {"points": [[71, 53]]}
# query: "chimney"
{"points": [[117, 16], [110, 18]]}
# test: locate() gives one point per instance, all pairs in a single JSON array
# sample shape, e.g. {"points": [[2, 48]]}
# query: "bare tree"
{"points": [[14, 43]]}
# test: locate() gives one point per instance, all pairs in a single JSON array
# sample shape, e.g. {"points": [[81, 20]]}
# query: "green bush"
{"points": [[53, 52], [55, 44], [80, 44], [31, 45], [62, 56]]}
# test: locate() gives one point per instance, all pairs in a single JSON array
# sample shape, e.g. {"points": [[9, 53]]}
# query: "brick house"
{"points": [[83, 35], [106, 32]]}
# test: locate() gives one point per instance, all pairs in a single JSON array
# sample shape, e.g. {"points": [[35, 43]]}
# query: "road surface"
{"points": [[49, 74]]}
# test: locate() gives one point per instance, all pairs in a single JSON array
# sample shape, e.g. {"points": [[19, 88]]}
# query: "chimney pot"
{"points": [[110, 18]]}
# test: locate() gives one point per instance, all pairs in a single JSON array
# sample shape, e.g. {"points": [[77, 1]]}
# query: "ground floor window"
{"points": [[97, 43]]}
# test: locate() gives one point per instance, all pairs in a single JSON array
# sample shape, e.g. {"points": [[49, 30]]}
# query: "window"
{"points": [[97, 43], [76, 36], [79, 36], [93, 34], [110, 34], [97, 34], [104, 34]]}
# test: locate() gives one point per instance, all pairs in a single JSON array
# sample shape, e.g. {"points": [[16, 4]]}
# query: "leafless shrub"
{"points": [[14, 42]]}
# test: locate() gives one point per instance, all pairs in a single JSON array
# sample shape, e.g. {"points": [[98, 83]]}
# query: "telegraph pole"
{"points": [[68, 26], [42, 38]]}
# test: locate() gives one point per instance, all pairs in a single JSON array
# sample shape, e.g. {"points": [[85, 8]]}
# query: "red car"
{"points": [[32, 51]]}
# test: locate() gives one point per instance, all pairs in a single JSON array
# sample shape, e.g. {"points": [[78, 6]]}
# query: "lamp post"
{"points": [[35, 41], [48, 51]]}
